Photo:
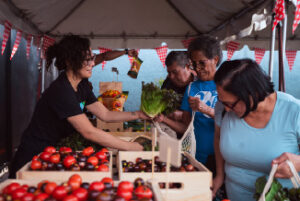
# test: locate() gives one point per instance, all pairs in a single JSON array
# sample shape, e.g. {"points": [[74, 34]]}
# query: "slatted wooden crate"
{"points": [[195, 186], [26, 174], [155, 189]]}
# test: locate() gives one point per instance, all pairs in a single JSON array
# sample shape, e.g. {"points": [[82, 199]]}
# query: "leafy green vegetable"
{"points": [[155, 101], [276, 192]]}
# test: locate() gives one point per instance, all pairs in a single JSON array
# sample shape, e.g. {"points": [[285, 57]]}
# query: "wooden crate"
{"points": [[129, 136], [112, 127], [26, 174], [195, 185], [155, 189]]}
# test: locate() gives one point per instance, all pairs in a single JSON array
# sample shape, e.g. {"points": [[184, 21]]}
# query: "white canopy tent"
{"points": [[146, 23]]}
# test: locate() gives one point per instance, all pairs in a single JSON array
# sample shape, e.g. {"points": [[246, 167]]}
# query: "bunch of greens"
{"points": [[76, 142], [276, 192], [155, 101], [146, 143]]}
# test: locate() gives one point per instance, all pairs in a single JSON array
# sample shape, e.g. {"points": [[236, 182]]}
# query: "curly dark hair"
{"points": [[208, 45], [70, 52]]}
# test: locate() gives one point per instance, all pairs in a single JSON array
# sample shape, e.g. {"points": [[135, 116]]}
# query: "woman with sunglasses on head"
{"points": [[254, 126], [60, 110]]}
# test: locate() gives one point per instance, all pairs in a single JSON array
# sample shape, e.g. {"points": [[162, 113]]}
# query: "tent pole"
{"points": [[281, 86], [43, 75], [272, 48]]}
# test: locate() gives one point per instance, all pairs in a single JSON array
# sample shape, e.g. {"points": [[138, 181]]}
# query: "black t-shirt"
{"points": [[49, 122]]}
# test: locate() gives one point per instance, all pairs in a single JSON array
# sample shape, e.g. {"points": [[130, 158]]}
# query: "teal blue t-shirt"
{"points": [[203, 124], [248, 151]]}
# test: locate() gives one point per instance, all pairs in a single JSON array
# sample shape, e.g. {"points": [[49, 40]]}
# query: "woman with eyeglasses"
{"points": [[254, 126], [205, 54], [60, 109]]}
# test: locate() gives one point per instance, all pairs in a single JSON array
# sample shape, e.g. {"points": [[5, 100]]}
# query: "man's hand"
{"points": [[283, 170], [134, 146], [132, 53], [142, 115]]}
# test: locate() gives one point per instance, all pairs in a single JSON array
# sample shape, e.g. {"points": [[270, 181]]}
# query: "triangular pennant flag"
{"points": [[162, 53], [259, 54], [231, 48], [291, 56], [102, 50], [131, 58], [47, 42], [17, 43], [28, 45], [297, 16], [6, 34], [279, 12], [187, 42]]}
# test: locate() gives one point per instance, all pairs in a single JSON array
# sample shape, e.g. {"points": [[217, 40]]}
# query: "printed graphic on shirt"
{"points": [[209, 98], [82, 104]]}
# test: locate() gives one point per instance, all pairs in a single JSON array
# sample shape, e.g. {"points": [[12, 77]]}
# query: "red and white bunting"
{"points": [[279, 12], [102, 50], [259, 54], [162, 53], [47, 42], [297, 16], [187, 42], [131, 58], [28, 45], [6, 34], [17, 43], [291, 56], [231, 48]]}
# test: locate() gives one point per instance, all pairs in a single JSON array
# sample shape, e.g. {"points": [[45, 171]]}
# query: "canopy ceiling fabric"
{"points": [[141, 23]]}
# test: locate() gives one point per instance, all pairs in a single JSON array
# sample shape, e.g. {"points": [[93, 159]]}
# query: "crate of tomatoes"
{"points": [[59, 165], [77, 189], [191, 181]]}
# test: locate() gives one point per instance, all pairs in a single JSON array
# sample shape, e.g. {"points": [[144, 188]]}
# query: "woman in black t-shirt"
{"points": [[60, 109]]}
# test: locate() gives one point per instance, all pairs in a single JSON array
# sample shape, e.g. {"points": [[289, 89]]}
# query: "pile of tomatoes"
{"points": [[76, 190], [66, 159]]}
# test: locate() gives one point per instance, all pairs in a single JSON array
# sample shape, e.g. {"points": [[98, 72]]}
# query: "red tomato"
{"points": [[49, 188], [76, 177], [127, 195], [101, 155], [55, 158], [108, 180], [45, 156], [35, 158], [36, 165], [41, 197], [70, 198], [125, 186], [18, 193], [25, 186], [59, 192], [143, 192], [69, 161], [65, 150], [81, 194], [28, 197], [93, 160], [104, 150], [74, 184], [96, 186], [11, 187], [103, 168], [50, 149], [88, 151]]}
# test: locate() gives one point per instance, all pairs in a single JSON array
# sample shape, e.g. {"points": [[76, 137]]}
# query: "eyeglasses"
{"points": [[199, 64], [90, 60], [231, 106]]}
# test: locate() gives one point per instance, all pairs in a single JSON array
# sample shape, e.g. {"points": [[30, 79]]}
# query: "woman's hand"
{"points": [[134, 146], [283, 170], [159, 118], [217, 183], [132, 53], [197, 105]]}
